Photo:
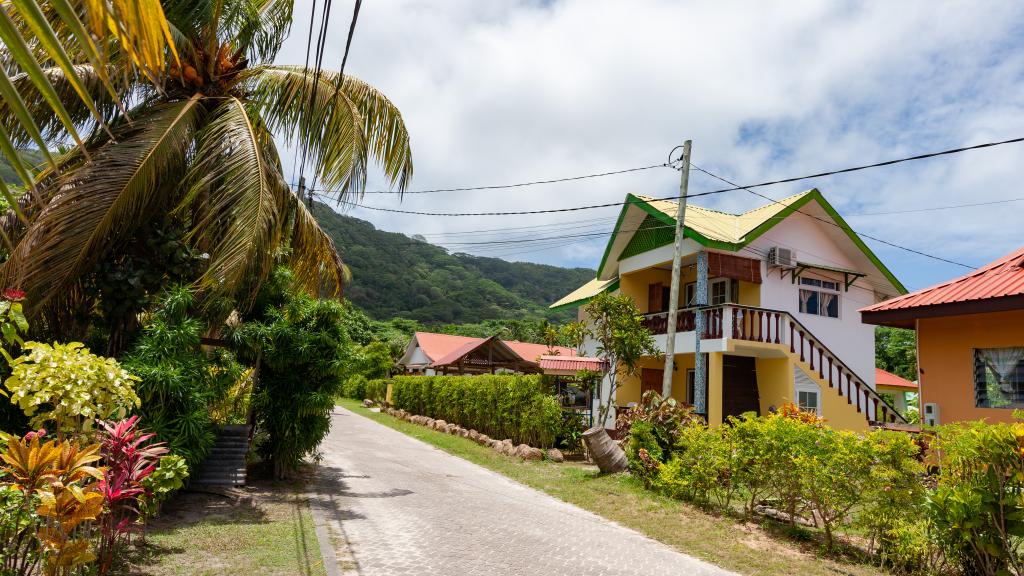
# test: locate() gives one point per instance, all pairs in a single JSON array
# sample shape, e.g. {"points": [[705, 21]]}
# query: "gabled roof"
{"points": [[436, 346], [994, 287], [580, 295], [884, 378], [724, 231], [501, 351]]}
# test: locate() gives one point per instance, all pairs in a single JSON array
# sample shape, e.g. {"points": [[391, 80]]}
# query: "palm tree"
{"points": [[190, 138]]}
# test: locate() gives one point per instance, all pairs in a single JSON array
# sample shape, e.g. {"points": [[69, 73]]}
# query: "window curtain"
{"points": [[805, 297], [1002, 362], [825, 300]]}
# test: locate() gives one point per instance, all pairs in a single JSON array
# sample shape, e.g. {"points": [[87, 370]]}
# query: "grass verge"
{"points": [[268, 530], [748, 548]]}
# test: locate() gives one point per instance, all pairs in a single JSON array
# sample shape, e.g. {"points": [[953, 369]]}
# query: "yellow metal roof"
{"points": [[585, 292], [722, 226]]}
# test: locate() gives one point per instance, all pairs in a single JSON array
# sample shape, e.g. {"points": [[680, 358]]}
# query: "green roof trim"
{"points": [[814, 194], [577, 303], [652, 233]]}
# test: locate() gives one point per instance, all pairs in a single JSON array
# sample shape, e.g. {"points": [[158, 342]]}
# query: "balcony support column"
{"points": [[700, 401]]}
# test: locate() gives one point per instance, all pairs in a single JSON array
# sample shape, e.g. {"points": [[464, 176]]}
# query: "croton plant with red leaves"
{"points": [[130, 457]]}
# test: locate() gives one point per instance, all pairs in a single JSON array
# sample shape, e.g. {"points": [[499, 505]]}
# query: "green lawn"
{"points": [[748, 548], [269, 531]]}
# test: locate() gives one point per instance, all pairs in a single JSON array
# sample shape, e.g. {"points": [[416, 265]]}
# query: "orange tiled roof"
{"points": [[1002, 278], [532, 352], [441, 347], [571, 363], [883, 378], [437, 346]]}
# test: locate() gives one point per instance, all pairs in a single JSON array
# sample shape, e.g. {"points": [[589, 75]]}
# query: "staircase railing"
{"points": [[753, 324]]}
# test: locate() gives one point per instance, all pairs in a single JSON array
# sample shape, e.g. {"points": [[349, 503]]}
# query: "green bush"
{"points": [[179, 383], [977, 508], [303, 350], [377, 390], [355, 387], [700, 467], [501, 406]]}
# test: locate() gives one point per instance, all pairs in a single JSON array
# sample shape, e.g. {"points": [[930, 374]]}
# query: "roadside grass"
{"points": [[755, 548], [268, 530]]}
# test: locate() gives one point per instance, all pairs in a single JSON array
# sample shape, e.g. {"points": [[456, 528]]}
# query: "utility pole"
{"points": [[677, 264]]}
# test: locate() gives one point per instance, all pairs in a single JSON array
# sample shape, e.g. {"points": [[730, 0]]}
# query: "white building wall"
{"points": [[849, 338]]}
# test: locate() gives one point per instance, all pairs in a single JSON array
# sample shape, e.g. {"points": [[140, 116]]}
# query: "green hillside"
{"points": [[394, 275], [7, 174]]}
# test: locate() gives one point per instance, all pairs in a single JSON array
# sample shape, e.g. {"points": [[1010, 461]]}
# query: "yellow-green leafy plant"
{"points": [[69, 386]]}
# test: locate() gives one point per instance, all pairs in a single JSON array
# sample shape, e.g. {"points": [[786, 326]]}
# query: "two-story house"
{"points": [[784, 285]]}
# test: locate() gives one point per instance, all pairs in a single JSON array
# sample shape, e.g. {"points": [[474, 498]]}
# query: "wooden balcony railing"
{"points": [[752, 324]]}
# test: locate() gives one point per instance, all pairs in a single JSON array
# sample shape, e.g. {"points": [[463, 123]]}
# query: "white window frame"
{"points": [[818, 285], [690, 292], [810, 388]]}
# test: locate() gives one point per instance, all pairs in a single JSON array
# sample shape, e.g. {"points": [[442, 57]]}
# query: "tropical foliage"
{"points": [[180, 116], [68, 386], [896, 351], [512, 406], [300, 349], [179, 383]]}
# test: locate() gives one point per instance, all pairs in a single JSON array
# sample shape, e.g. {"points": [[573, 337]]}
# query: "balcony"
{"points": [[746, 324]]}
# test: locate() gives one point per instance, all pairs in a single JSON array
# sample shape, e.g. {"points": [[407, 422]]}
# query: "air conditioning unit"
{"points": [[779, 256], [931, 414]]}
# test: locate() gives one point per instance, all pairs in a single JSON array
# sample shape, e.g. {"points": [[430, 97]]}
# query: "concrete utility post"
{"points": [[677, 264]]}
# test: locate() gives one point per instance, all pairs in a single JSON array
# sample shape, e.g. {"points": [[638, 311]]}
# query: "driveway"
{"points": [[405, 507]]}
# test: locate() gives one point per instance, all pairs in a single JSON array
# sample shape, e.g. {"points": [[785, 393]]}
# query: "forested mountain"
{"points": [[395, 275]]}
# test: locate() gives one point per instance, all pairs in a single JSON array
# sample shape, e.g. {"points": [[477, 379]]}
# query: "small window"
{"points": [[807, 400], [821, 302], [999, 377], [719, 292]]}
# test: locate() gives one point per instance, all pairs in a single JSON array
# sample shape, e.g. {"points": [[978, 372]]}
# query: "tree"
{"points": [[301, 351], [193, 136], [896, 351], [615, 323]]}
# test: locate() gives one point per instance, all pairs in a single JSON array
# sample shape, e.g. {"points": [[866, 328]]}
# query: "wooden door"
{"points": [[739, 386], [650, 379], [655, 297]]}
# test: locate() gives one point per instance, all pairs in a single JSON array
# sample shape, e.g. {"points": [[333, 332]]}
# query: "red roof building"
{"points": [[431, 353], [970, 342], [890, 380]]}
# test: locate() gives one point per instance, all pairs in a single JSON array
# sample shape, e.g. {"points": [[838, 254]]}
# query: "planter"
{"points": [[605, 451]]}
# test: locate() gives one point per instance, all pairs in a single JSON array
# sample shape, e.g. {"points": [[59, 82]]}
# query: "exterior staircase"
{"points": [[808, 353], [225, 466]]}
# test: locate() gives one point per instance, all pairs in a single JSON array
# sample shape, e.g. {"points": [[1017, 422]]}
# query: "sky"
{"points": [[500, 92]]}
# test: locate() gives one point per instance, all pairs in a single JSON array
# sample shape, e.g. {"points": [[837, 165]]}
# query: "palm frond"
{"points": [[102, 202], [344, 127], [315, 263], [238, 199]]}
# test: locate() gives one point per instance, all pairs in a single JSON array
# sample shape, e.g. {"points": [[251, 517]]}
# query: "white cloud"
{"points": [[499, 92]]}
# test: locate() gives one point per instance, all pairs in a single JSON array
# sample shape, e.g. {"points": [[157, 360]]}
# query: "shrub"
{"points": [[355, 387], [69, 386], [302, 349], [977, 508], [168, 477], [700, 467], [377, 390], [180, 385], [510, 406], [644, 453], [666, 416]]}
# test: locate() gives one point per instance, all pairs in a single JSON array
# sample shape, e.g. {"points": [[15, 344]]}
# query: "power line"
{"points": [[668, 164], [935, 208], [507, 186], [847, 228]]}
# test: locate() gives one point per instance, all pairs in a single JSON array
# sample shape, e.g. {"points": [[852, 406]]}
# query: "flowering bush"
{"points": [[67, 385]]}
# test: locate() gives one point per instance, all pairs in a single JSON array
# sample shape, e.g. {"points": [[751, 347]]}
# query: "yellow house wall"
{"points": [[715, 361], [750, 294], [630, 390], [946, 358], [774, 382], [838, 413], [636, 284]]}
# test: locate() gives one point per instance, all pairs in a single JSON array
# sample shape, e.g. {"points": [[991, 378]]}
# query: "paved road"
{"points": [[405, 507]]}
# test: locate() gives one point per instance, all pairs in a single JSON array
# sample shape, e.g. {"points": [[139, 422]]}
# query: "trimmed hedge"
{"points": [[510, 406], [376, 390], [355, 387]]}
